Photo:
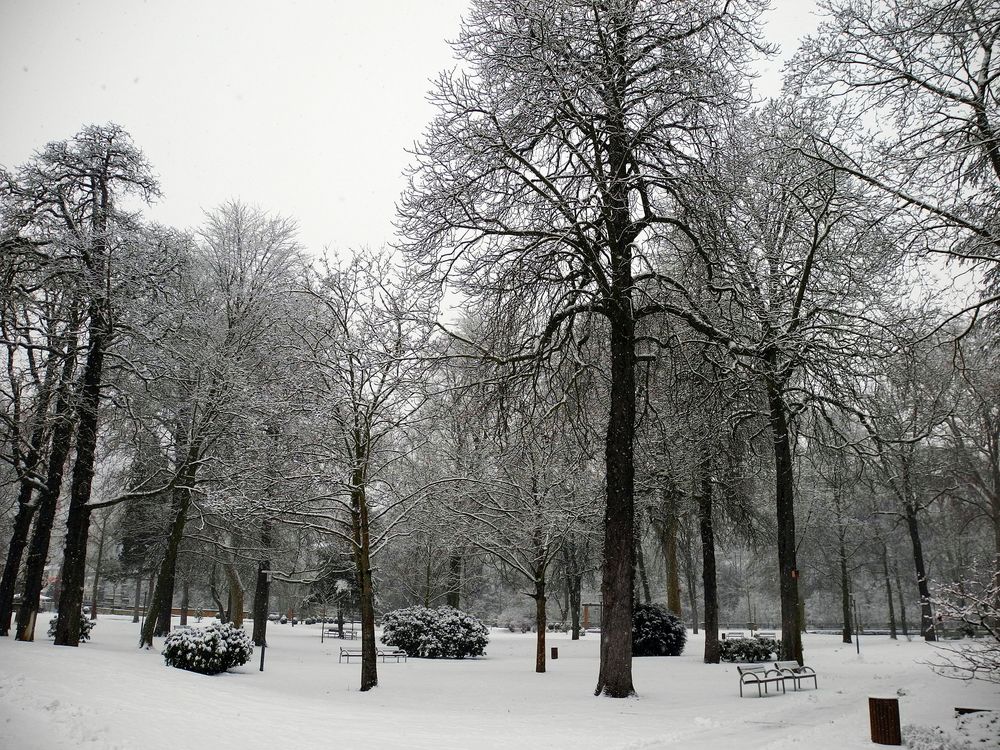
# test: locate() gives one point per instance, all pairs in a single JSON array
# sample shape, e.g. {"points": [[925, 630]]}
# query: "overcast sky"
{"points": [[303, 107]]}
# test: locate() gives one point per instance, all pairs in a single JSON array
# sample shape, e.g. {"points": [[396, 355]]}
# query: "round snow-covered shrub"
{"points": [[656, 632], [208, 650], [86, 625], [444, 632], [748, 649]]}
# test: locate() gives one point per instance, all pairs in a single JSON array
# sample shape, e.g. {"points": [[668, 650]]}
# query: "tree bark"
{"points": [[888, 592], [185, 600], [158, 619], [615, 677], [362, 558], [845, 595], [262, 589], [791, 632], [18, 542], [708, 575], [902, 603], [668, 537], [235, 594], [926, 613], [454, 594], [690, 575], [640, 564], [137, 608], [541, 622]]}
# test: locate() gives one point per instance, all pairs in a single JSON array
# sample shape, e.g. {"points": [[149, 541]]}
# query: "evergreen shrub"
{"points": [[748, 649], [445, 632], [86, 625], [656, 632], [208, 650]]}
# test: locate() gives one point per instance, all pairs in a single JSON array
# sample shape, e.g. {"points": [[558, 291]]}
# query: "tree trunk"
{"points": [[97, 568], [640, 564], [845, 595], [926, 614], [708, 576], [615, 677], [668, 537], [888, 592], [540, 622], [454, 582], [902, 603], [690, 575], [78, 519], [18, 542], [158, 619], [25, 508], [575, 583], [262, 589], [185, 600], [362, 558], [137, 608], [235, 595], [791, 627]]}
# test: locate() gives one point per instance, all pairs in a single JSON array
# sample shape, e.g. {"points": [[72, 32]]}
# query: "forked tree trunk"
{"points": [[788, 584], [708, 575], [74, 566]]}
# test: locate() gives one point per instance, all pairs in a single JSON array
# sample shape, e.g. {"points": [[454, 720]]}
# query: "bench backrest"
{"points": [[751, 670], [793, 665]]}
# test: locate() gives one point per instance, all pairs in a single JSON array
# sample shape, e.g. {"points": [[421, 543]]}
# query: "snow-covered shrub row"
{"points": [[656, 632], [86, 625], [748, 649], [444, 632], [208, 650]]}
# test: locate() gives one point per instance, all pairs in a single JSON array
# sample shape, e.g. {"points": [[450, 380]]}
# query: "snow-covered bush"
{"points": [[86, 625], [656, 632], [749, 649], [444, 632], [208, 650], [974, 605]]}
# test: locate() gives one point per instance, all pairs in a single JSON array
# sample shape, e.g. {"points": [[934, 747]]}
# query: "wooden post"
{"points": [[884, 716]]}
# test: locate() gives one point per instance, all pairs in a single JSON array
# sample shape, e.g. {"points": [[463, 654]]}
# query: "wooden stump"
{"points": [[884, 715]]}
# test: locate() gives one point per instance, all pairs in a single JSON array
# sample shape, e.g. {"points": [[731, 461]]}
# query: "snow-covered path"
{"points": [[107, 694]]}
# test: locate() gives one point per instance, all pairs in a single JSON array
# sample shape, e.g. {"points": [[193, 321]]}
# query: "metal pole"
{"points": [[263, 647], [857, 630]]}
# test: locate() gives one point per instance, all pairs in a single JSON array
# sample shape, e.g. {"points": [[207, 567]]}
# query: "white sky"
{"points": [[302, 107]]}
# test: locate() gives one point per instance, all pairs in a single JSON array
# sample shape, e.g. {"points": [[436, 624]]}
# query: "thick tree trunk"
{"points": [[18, 543], [74, 565], [926, 614], [541, 622], [161, 602], [362, 558], [615, 678], [788, 584], [888, 592], [454, 581], [708, 575], [262, 589]]}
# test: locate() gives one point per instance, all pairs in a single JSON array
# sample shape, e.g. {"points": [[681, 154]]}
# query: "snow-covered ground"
{"points": [[108, 694]]}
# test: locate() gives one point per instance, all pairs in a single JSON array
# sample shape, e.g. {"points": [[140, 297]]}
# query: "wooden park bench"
{"points": [[349, 635], [791, 670], [732, 635], [773, 635], [757, 675]]}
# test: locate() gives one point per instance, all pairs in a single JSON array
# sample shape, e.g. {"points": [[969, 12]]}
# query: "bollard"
{"points": [[555, 652], [884, 716]]}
